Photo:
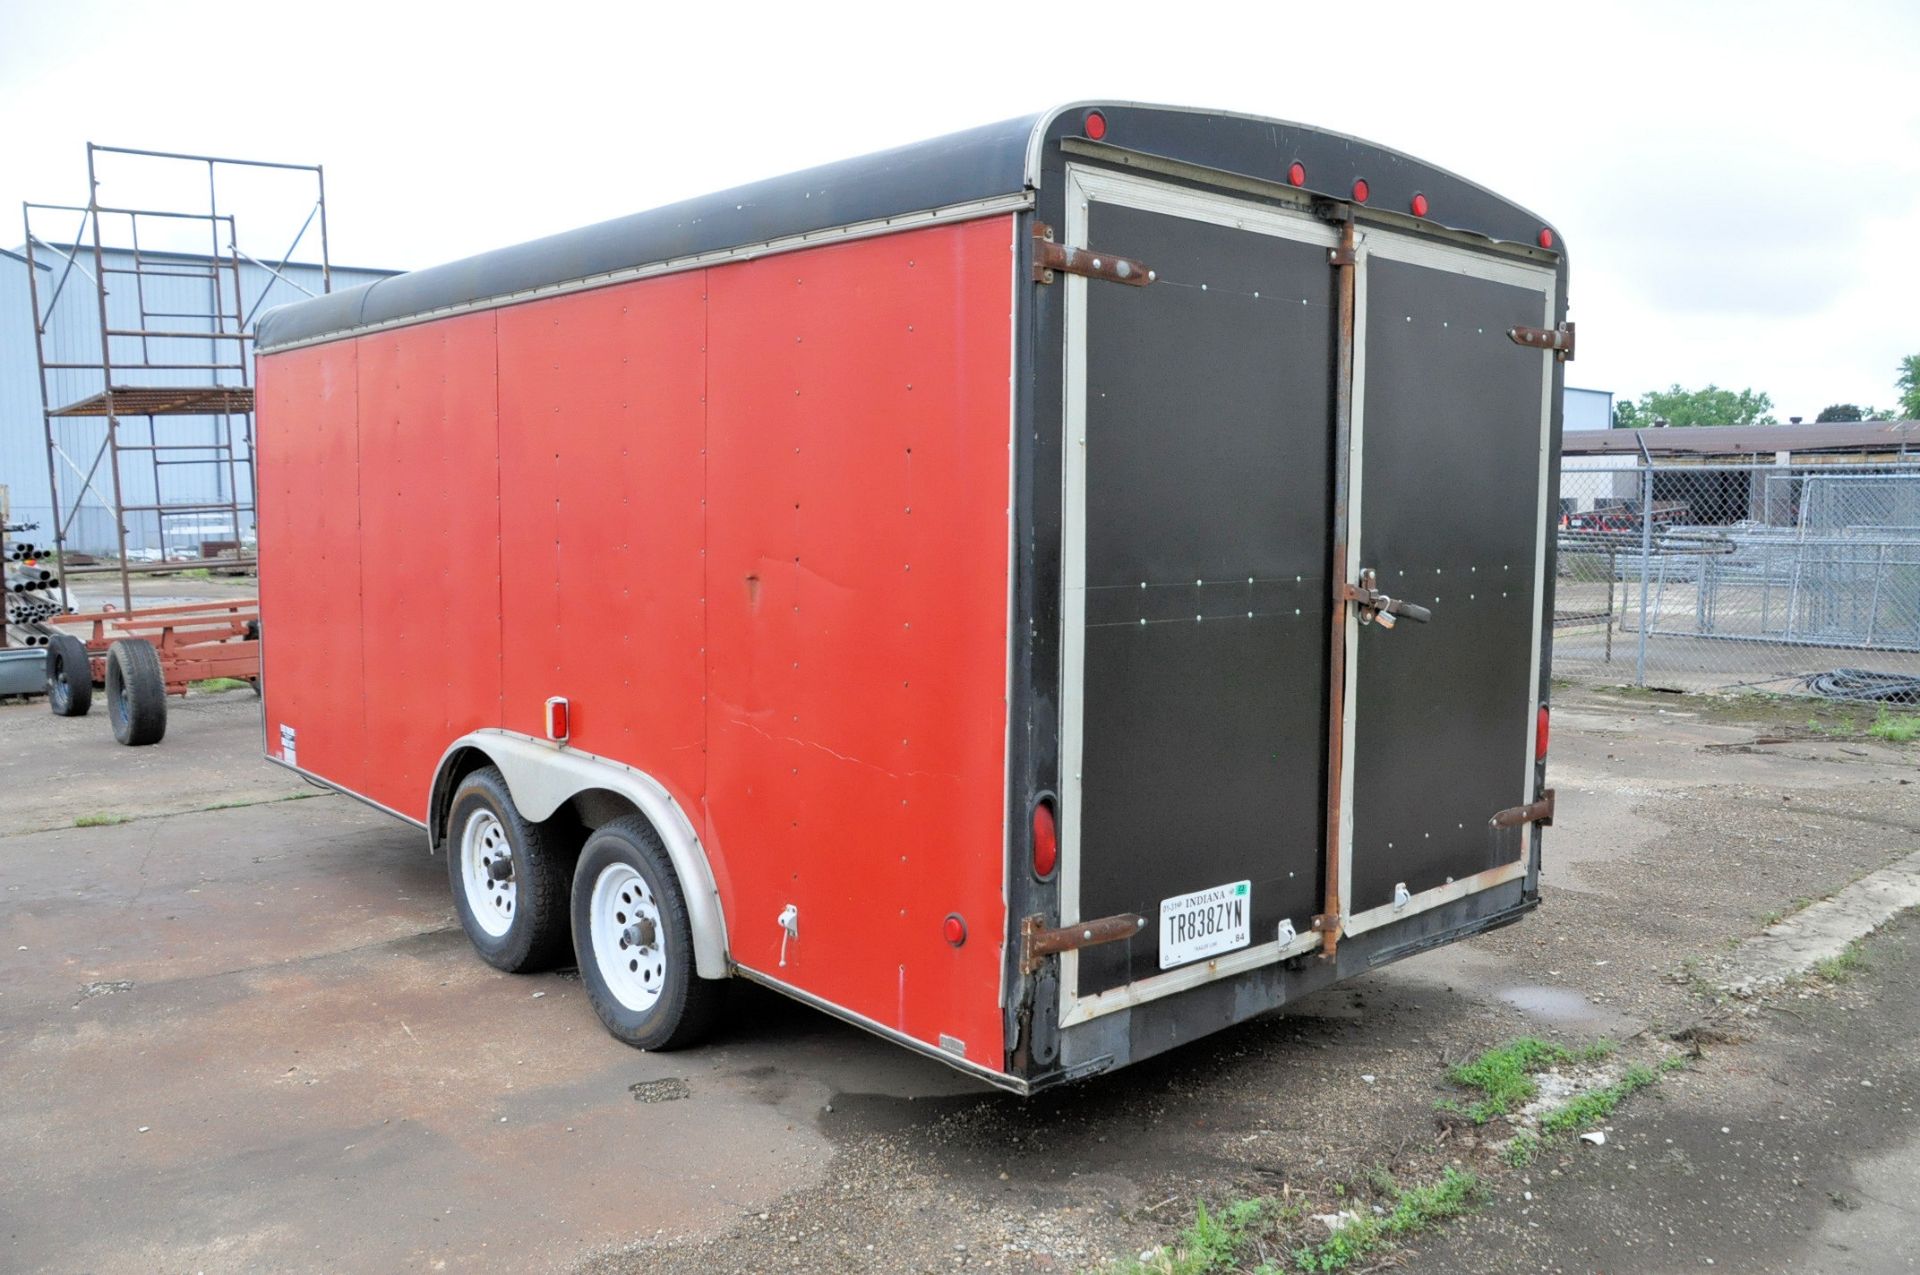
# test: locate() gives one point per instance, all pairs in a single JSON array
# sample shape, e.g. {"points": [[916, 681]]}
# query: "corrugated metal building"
{"points": [[69, 298]]}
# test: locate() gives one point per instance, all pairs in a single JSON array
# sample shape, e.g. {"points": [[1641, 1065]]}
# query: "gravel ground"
{"points": [[1677, 836], [242, 1033]]}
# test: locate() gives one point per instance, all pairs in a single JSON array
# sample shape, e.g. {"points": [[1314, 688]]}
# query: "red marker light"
{"points": [[1419, 205], [1046, 841], [1541, 731], [1095, 125], [1361, 190], [954, 928], [559, 719], [1546, 237], [1297, 173]]}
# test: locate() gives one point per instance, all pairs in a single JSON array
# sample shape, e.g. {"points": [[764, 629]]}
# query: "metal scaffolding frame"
{"points": [[143, 373]]}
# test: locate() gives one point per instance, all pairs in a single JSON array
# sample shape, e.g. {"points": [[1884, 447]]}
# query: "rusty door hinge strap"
{"points": [[1559, 340], [1037, 942], [1049, 256], [1540, 812]]}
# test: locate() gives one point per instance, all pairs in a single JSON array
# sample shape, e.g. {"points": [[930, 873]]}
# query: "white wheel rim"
{"points": [[629, 942], [484, 853]]}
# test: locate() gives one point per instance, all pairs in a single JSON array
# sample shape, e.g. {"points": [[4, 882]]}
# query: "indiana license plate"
{"points": [[1205, 923]]}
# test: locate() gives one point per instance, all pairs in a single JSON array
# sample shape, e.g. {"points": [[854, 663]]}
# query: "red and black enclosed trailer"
{"points": [[1043, 594]]}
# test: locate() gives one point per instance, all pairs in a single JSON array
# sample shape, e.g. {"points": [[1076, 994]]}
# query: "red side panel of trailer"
{"points": [[858, 434], [752, 521], [430, 525], [308, 470], [601, 466]]}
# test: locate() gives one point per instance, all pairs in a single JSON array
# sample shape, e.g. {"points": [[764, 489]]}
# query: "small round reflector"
{"points": [[1297, 173], [1546, 237], [1419, 205], [1046, 840], [1361, 190], [1541, 731], [954, 928], [1095, 125]]}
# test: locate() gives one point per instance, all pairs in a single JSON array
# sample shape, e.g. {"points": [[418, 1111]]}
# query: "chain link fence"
{"points": [[1801, 579]]}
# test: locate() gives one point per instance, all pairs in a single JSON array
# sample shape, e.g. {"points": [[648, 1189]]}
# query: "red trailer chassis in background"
{"points": [[730, 590]]}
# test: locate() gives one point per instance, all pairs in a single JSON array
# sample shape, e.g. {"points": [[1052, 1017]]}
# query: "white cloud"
{"points": [[1738, 183]]}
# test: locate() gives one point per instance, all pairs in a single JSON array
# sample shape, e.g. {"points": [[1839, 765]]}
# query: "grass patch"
{"points": [[1590, 1108], [1212, 1242], [1895, 728], [1838, 969], [1505, 1075], [1520, 1150], [1415, 1209], [195, 573], [220, 684], [100, 821]]}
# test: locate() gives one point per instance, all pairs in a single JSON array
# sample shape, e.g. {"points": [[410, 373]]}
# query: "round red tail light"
{"points": [[1419, 205], [1546, 237], [1361, 190], [1046, 840], [1095, 125], [1541, 731], [1297, 173], [954, 929]]}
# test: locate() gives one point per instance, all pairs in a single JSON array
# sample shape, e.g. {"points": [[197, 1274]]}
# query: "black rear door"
{"points": [[1450, 451], [1197, 542]]}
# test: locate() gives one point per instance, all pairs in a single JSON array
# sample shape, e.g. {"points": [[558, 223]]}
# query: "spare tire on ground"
{"points": [[69, 676], [136, 692]]}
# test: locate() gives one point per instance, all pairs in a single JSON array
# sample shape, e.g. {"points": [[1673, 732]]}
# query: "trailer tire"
{"points": [[518, 923], [69, 676], [136, 693], [634, 941]]}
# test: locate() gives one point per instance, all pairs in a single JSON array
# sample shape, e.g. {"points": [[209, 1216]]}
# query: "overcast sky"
{"points": [[1738, 183]]}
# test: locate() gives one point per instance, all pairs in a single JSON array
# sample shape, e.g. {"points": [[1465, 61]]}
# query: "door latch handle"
{"points": [[1377, 607]]}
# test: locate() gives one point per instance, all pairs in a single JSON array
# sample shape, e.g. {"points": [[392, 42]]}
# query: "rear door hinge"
{"points": [[1049, 257], [1559, 340], [1540, 812], [1037, 942]]}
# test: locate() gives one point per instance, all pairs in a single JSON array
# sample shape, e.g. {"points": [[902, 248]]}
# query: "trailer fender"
{"points": [[541, 776]]}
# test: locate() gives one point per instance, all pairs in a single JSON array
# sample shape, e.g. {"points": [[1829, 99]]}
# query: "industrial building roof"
{"points": [[1743, 440]]}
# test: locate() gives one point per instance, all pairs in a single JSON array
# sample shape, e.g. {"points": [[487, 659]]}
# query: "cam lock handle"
{"points": [[1377, 607]]}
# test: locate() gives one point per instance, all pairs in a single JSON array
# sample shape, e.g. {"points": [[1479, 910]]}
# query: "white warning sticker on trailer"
{"points": [[1205, 923], [289, 750]]}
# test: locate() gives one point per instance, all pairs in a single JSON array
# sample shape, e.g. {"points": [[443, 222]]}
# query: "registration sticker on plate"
{"points": [[1205, 923]]}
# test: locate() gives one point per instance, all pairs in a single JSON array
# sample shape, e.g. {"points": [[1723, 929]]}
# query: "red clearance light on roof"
{"points": [[1541, 732], [1046, 840], [559, 719], [1095, 125], [1297, 173], [954, 928], [1361, 190], [1419, 205], [1546, 237]]}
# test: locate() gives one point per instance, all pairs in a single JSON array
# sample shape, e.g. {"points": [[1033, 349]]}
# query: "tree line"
{"points": [[1715, 406]]}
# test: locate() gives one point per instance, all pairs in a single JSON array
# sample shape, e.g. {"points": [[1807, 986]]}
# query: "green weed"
{"points": [[1415, 1209], [1895, 728], [1595, 1105], [220, 684], [1838, 969], [1520, 1149], [1505, 1076], [1210, 1244], [100, 821]]}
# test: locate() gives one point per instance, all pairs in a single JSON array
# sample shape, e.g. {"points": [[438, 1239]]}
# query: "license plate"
{"points": [[1205, 923]]}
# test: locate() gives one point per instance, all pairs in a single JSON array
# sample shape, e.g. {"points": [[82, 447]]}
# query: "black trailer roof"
{"points": [[978, 169]]}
